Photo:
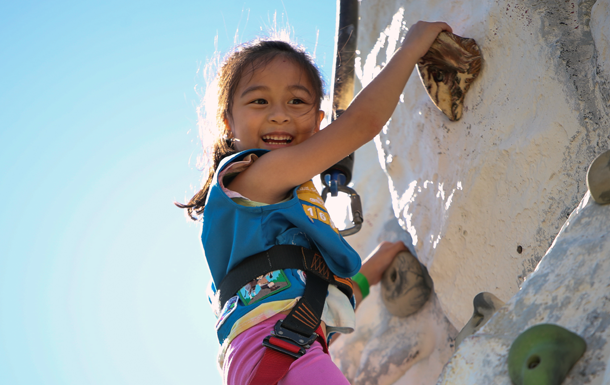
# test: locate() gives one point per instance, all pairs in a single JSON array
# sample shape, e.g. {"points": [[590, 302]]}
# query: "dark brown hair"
{"points": [[246, 59]]}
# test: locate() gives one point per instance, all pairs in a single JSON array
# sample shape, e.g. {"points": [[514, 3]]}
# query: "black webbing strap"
{"points": [[305, 315], [276, 258]]}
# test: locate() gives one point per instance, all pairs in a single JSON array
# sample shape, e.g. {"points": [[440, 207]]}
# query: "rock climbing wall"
{"points": [[484, 197], [570, 287]]}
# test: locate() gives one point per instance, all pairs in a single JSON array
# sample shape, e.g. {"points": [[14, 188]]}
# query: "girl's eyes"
{"points": [[291, 101]]}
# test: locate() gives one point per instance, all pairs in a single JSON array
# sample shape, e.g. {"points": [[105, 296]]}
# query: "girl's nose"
{"points": [[279, 115]]}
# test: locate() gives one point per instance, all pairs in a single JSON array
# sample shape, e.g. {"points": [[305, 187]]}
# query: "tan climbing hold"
{"points": [[448, 69]]}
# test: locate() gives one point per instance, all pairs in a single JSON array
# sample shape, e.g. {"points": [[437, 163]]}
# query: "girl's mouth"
{"points": [[277, 139]]}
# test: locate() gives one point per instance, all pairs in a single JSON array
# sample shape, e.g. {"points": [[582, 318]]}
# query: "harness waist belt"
{"points": [[276, 258]]}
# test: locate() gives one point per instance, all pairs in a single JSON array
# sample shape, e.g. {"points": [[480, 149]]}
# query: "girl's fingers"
{"points": [[422, 34], [444, 26], [400, 245], [380, 259]]}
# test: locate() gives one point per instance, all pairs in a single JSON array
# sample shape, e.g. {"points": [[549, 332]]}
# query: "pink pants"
{"points": [[246, 351]]}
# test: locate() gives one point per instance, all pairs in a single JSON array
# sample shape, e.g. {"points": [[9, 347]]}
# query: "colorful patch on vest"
{"points": [[227, 309], [307, 192], [303, 276], [263, 287], [313, 205]]}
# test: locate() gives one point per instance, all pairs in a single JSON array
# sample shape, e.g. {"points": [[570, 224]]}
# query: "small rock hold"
{"points": [[485, 306], [598, 178], [405, 285]]}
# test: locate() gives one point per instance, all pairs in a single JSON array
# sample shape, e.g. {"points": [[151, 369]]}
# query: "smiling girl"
{"points": [[262, 214]]}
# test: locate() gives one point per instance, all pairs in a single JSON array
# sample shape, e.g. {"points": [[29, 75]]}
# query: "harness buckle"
{"points": [[288, 342]]}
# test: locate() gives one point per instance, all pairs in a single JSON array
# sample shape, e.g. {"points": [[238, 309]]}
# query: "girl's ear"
{"points": [[321, 115], [228, 127]]}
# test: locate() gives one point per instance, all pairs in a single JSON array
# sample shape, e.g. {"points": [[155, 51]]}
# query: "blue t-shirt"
{"points": [[232, 232]]}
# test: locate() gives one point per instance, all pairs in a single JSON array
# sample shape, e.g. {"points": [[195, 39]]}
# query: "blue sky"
{"points": [[102, 279]]}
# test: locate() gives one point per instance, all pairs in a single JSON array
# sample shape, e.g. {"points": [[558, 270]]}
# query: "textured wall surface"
{"points": [[570, 288], [482, 198]]}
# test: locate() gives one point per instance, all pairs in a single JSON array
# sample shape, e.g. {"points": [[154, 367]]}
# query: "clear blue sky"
{"points": [[102, 280]]}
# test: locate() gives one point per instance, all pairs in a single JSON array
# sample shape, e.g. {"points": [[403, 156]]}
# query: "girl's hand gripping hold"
{"points": [[377, 263], [374, 266], [421, 35]]}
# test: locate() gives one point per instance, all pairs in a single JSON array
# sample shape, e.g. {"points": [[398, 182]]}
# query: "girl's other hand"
{"points": [[380, 259], [421, 35]]}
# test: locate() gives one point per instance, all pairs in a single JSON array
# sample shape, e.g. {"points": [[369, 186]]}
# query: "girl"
{"points": [[261, 213]]}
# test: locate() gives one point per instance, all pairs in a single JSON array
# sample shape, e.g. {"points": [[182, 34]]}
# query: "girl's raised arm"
{"points": [[270, 178]]}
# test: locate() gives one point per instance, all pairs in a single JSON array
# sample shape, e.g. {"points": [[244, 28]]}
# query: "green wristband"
{"points": [[362, 283]]}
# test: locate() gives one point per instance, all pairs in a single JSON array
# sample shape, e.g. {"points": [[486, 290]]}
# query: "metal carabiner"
{"points": [[355, 205]]}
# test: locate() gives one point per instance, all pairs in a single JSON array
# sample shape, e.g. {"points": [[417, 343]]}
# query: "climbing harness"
{"points": [[337, 177], [292, 336]]}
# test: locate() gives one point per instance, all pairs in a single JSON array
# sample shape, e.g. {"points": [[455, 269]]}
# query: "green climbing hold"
{"points": [[543, 355]]}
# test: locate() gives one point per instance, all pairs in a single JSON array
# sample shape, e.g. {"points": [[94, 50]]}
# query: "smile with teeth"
{"points": [[277, 139]]}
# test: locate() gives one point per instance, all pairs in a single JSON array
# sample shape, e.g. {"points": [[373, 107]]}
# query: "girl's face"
{"points": [[274, 107]]}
